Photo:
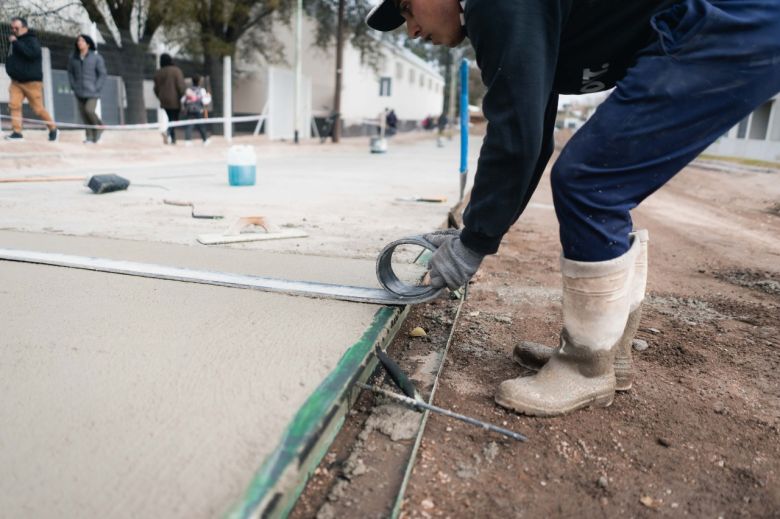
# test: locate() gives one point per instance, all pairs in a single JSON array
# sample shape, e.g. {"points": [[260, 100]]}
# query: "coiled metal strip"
{"points": [[395, 292]]}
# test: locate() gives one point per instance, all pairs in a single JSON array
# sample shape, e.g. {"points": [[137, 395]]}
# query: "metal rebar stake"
{"points": [[418, 404]]}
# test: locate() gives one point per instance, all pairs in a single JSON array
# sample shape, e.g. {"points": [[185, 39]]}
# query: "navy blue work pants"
{"points": [[713, 63]]}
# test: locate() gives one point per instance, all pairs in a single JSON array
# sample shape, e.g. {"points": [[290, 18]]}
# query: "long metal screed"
{"points": [[394, 291]]}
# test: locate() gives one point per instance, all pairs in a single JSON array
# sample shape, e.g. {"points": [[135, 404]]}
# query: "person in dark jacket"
{"points": [[169, 88], [87, 75], [391, 121], [684, 73], [24, 67]]}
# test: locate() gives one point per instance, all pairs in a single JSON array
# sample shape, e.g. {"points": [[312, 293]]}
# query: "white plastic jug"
{"points": [[242, 165]]}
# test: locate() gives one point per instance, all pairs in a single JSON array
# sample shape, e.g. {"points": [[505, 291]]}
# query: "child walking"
{"points": [[194, 103]]}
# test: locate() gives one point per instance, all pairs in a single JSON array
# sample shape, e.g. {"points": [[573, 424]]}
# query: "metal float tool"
{"points": [[394, 291], [191, 205]]}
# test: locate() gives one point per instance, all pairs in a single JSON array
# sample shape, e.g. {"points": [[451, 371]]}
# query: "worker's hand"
{"points": [[12, 38], [453, 264]]}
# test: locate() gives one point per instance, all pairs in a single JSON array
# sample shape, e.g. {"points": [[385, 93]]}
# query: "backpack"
{"points": [[193, 102]]}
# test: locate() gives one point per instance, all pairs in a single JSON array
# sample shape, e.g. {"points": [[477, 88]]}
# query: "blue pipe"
{"points": [[464, 124]]}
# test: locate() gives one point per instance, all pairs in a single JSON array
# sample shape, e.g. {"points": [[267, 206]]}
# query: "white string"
{"points": [[145, 126]]}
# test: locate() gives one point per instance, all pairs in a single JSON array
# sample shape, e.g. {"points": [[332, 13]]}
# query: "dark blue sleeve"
{"points": [[516, 43]]}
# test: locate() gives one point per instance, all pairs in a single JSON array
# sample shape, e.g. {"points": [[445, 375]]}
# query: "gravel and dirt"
{"points": [[697, 436]]}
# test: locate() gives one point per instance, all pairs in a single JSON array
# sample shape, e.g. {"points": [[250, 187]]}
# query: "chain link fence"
{"points": [[5, 44]]}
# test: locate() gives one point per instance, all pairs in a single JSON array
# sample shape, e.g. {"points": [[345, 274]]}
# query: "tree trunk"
{"points": [[339, 67], [213, 66], [133, 75]]}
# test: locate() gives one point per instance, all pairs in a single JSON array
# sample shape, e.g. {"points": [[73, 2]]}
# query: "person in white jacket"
{"points": [[194, 103]]}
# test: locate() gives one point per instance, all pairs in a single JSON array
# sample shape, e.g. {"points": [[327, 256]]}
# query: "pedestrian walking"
{"points": [[441, 123], [194, 103], [391, 120], [87, 75], [24, 67], [169, 88], [684, 73]]}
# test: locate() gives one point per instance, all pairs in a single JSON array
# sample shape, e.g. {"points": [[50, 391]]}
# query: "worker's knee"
{"points": [[566, 178]]}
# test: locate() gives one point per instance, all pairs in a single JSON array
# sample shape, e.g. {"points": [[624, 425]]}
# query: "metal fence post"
{"points": [[48, 82], [227, 97]]}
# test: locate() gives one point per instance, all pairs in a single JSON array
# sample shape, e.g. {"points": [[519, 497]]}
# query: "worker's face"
{"points": [[17, 28], [437, 21], [82, 44]]}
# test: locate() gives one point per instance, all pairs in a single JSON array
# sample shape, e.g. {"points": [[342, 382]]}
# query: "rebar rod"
{"points": [[418, 404]]}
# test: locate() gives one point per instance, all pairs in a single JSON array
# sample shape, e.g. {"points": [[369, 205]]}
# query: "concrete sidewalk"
{"points": [[135, 397]]}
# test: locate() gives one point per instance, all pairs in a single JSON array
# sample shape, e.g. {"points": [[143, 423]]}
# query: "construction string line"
{"points": [[146, 126]]}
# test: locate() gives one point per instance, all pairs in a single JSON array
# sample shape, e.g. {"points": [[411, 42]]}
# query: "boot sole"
{"points": [[604, 400]]}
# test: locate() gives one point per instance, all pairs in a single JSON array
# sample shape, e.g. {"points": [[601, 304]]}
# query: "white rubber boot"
{"points": [[532, 355], [596, 305]]}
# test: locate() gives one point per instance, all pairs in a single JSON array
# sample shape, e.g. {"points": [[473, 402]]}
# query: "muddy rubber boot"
{"points": [[533, 355], [596, 305], [624, 364]]}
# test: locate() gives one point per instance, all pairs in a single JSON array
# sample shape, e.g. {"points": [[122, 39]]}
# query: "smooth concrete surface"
{"points": [[344, 197], [132, 397]]}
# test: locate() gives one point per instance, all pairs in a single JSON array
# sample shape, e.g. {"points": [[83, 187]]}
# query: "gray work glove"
{"points": [[453, 264]]}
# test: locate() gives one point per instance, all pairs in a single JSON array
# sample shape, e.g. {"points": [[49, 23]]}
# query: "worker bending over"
{"points": [[684, 72]]}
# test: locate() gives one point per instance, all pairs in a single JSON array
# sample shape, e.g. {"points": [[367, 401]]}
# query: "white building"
{"points": [[403, 82], [755, 137]]}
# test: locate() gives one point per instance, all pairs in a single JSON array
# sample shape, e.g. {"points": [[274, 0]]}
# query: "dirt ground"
{"points": [[698, 435]]}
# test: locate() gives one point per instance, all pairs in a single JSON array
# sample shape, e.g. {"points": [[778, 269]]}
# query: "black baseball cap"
{"points": [[385, 16]]}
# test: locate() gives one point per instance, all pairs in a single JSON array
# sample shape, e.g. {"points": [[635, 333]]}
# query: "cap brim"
{"points": [[385, 17]]}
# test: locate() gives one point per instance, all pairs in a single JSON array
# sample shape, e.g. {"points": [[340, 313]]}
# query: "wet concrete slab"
{"points": [[125, 396], [128, 397]]}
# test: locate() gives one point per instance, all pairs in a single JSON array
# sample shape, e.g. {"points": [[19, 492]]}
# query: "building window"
{"points": [[411, 76], [385, 84], [742, 128], [430, 84], [759, 123], [774, 131], [399, 71], [422, 81]]}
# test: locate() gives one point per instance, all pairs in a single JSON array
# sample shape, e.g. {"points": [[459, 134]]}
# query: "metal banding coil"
{"points": [[394, 291], [390, 281]]}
